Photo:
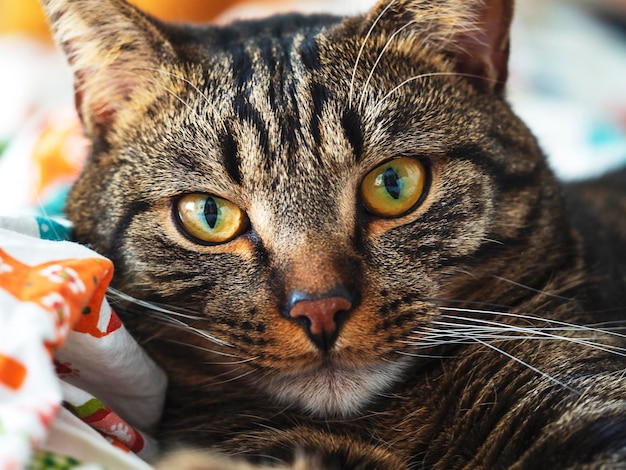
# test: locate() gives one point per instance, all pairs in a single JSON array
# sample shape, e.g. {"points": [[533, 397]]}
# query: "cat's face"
{"points": [[306, 194]]}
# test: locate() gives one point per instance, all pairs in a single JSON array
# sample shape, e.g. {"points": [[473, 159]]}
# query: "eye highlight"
{"points": [[210, 219], [393, 189]]}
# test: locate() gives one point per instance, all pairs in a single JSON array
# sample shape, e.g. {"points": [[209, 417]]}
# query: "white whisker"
{"points": [[358, 57], [532, 318], [151, 306], [471, 302], [537, 331], [461, 337], [423, 356], [212, 351], [525, 364], [234, 379], [532, 289], [473, 330], [170, 316], [418, 77], [180, 99], [379, 58], [202, 333]]}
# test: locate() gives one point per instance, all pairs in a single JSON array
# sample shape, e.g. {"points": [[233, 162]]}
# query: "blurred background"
{"points": [[568, 82]]}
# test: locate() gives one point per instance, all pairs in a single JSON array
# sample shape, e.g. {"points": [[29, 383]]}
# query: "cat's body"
{"points": [[455, 319]]}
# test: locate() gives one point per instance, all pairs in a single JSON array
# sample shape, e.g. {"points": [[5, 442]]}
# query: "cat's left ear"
{"points": [[115, 52], [475, 33], [484, 50]]}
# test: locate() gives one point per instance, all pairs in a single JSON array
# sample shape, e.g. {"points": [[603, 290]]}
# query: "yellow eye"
{"points": [[210, 219], [392, 189]]}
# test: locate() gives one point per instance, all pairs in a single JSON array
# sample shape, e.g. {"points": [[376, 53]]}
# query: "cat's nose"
{"points": [[322, 317]]}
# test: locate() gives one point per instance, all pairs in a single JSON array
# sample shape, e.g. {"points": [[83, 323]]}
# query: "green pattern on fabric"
{"points": [[89, 408], [44, 460]]}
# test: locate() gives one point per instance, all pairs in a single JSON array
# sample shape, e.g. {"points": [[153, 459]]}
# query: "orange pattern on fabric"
{"points": [[12, 372], [89, 321], [66, 288]]}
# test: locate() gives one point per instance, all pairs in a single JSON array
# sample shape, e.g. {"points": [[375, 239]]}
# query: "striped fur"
{"points": [[477, 335]]}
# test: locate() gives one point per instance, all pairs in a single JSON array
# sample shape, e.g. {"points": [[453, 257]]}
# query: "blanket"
{"points": [[76, 390]]}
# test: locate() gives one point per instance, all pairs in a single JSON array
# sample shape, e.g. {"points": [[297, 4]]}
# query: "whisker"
{"points": [[219, 353], [525, 364], [424, 75], [505, 334], [541, 332], [424, 356], [379, 58], [470, 302], [587, 342], [508, 307], [151, 305], [533, 318], [358, 57], [170, 317], [188, 82], [472, 339], [174, 322], [532, 289], [430, 336], [180, 99], [206, 335], [234, 379], [501, 332], [607, 323]]}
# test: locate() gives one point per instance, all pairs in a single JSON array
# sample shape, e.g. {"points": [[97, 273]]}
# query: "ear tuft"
{"points": [[113, 49], [474, 33], [484, 52]]}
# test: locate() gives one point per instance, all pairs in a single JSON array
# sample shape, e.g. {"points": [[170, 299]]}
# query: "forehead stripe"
{"points": [[351, 122], [230, 155], [244, 111]]}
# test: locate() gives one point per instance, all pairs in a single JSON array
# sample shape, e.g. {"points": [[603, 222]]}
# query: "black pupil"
{"points": [[392, 183], [210, 212]]}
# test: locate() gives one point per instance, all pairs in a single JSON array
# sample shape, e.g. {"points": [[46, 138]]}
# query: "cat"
{"points": [[341, 244]]}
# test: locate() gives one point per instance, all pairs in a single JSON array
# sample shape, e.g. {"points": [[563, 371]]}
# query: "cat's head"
{"points": [[305, 192]]}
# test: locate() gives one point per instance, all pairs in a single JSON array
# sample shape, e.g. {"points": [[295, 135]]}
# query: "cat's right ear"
{"points": [[114, 51]]}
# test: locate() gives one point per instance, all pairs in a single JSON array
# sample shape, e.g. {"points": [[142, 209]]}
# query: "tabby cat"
{"points": [[343, 246]]}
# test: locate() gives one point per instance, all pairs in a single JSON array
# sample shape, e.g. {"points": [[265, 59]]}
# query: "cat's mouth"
{"points": [[332, 390]]}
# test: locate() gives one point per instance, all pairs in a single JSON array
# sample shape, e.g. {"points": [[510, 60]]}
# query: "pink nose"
{"points": [[321, 314]]}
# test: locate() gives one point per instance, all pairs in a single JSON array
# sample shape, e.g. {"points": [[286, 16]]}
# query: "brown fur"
{"points": [[284, 119]]}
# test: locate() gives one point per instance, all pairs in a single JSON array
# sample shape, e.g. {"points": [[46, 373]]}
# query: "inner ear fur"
{"points": [[114, 51], [474, 33]]}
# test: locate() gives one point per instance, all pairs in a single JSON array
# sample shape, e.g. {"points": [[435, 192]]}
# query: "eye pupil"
{"points": [[392, 183], [209, 219], [211, 212]]}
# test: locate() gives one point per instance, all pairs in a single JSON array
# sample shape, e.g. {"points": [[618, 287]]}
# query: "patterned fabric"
{"points": [[61, 344], [44, 460]]}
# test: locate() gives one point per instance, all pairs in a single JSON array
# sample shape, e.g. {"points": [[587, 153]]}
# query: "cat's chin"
{"points": [[333, 391]]}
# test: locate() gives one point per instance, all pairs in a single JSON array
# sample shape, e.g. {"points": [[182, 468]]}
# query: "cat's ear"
{"points": [[114, 51], [475, 33]]}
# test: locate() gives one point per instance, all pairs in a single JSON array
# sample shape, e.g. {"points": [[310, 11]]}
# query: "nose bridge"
{"points": [[321, 287], [316, 266]]}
